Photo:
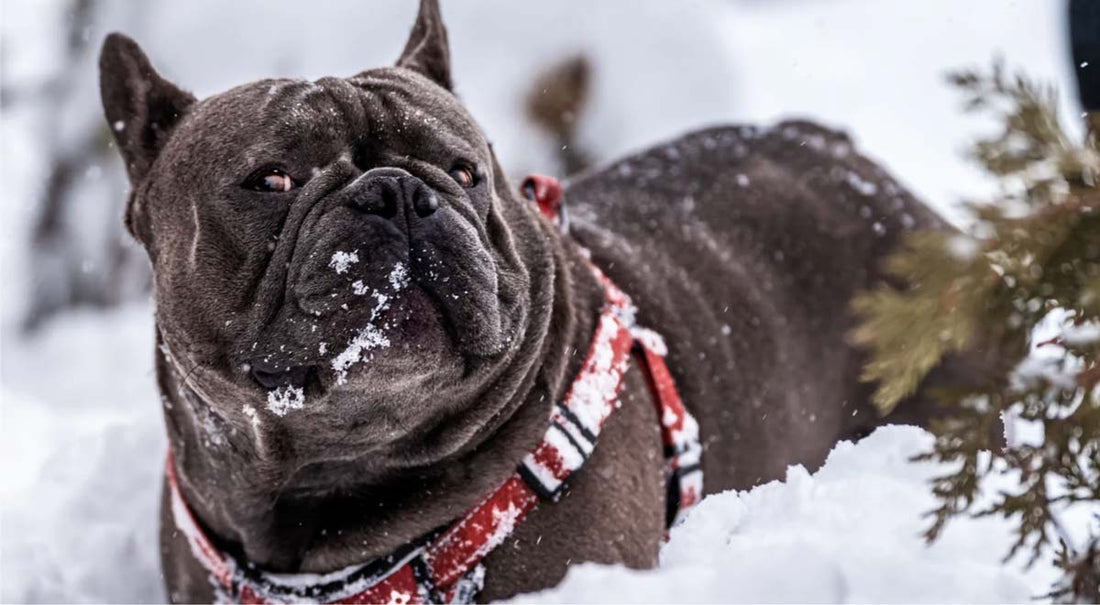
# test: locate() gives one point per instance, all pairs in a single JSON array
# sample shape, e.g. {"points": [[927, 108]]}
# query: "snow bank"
{"points": [[81, 453], [848, 533]]}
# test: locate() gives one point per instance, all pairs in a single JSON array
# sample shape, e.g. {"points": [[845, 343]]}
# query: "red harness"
{"points": [[446, 566]]}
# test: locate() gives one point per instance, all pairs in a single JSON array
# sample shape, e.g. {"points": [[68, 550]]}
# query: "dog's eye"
{"points": [[464, 175], [270, 180]]}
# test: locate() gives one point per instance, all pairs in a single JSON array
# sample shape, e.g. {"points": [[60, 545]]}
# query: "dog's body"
{"points": [[409, 327]]}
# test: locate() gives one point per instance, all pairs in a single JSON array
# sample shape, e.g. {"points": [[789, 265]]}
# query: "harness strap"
{"points": [[446, 567], [679, 433]]}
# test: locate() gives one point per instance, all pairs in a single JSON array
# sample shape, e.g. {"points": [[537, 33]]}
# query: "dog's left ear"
{"points": [[141, 107], [426, 51]]}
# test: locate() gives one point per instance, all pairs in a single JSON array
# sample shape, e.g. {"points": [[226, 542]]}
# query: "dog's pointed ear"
{"points": [[426, 51], [141, 107]]}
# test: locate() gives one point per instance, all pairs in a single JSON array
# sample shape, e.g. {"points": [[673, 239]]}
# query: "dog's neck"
{"points": [[244, 501]]}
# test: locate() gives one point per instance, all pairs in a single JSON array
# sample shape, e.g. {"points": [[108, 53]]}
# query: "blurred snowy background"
{"points": [[81, 445]]}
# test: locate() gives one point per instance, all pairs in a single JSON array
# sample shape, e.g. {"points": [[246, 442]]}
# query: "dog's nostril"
{"points": [[389, 200], [272, 375], [380, 197], [425, 202]]}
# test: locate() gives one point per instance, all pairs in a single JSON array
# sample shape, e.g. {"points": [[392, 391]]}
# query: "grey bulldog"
{"points": [[362, 326]]}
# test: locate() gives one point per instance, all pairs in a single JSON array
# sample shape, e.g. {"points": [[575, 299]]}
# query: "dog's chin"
{"points": [[424, 353], [362, 346]]}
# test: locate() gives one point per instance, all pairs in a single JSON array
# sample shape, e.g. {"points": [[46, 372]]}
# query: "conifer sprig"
{"points": [[1032, 257]]}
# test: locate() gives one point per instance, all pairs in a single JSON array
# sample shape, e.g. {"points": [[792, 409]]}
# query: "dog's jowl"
{"points": [[380, 360]]}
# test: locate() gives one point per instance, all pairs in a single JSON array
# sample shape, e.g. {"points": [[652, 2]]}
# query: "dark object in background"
{"points": [[1084, 33], [555, 102]]}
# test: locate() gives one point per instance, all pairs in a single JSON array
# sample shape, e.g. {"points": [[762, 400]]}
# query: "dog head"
{"points": [[338, 261]]}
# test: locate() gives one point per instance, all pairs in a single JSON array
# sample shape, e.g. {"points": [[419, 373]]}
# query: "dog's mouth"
{"points": [[357, 321], [367, 284], [325, 340]]}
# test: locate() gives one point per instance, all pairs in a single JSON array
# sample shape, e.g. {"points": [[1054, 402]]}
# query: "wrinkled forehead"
{"points": [[391, 108]]}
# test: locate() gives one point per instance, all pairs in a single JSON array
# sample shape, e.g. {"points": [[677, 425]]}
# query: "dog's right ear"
{"points": [[141, 107], [427, 51]]}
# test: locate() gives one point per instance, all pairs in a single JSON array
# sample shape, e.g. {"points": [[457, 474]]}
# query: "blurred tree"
{"points": [[79, 255]]}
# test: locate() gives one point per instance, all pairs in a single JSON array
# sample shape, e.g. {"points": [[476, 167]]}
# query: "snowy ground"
{"points": [[846, 534], [81, 441], [82, 450]]}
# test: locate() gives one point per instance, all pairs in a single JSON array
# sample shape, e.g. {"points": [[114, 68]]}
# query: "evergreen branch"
{"points": [[1037, 259]]}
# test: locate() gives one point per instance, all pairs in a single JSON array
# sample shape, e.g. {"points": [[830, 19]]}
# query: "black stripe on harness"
{"points": [[423, 576], [536, 485], [564, 431], [687, 470], [568, 413]]}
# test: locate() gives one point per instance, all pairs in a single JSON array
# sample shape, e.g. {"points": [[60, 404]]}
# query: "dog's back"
{"points": [[744, 247]]}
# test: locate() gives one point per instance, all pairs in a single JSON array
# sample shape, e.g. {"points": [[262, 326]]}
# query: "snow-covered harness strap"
{"points": [[445, 567], [576, 421]]}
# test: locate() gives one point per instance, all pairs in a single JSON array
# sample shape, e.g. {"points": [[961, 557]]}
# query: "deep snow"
{"points": [[848, 533], [81, 440], [81, 455]]}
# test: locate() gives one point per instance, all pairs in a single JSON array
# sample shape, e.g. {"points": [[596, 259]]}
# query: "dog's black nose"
{"points": [[273, 375], [388, 195]]}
